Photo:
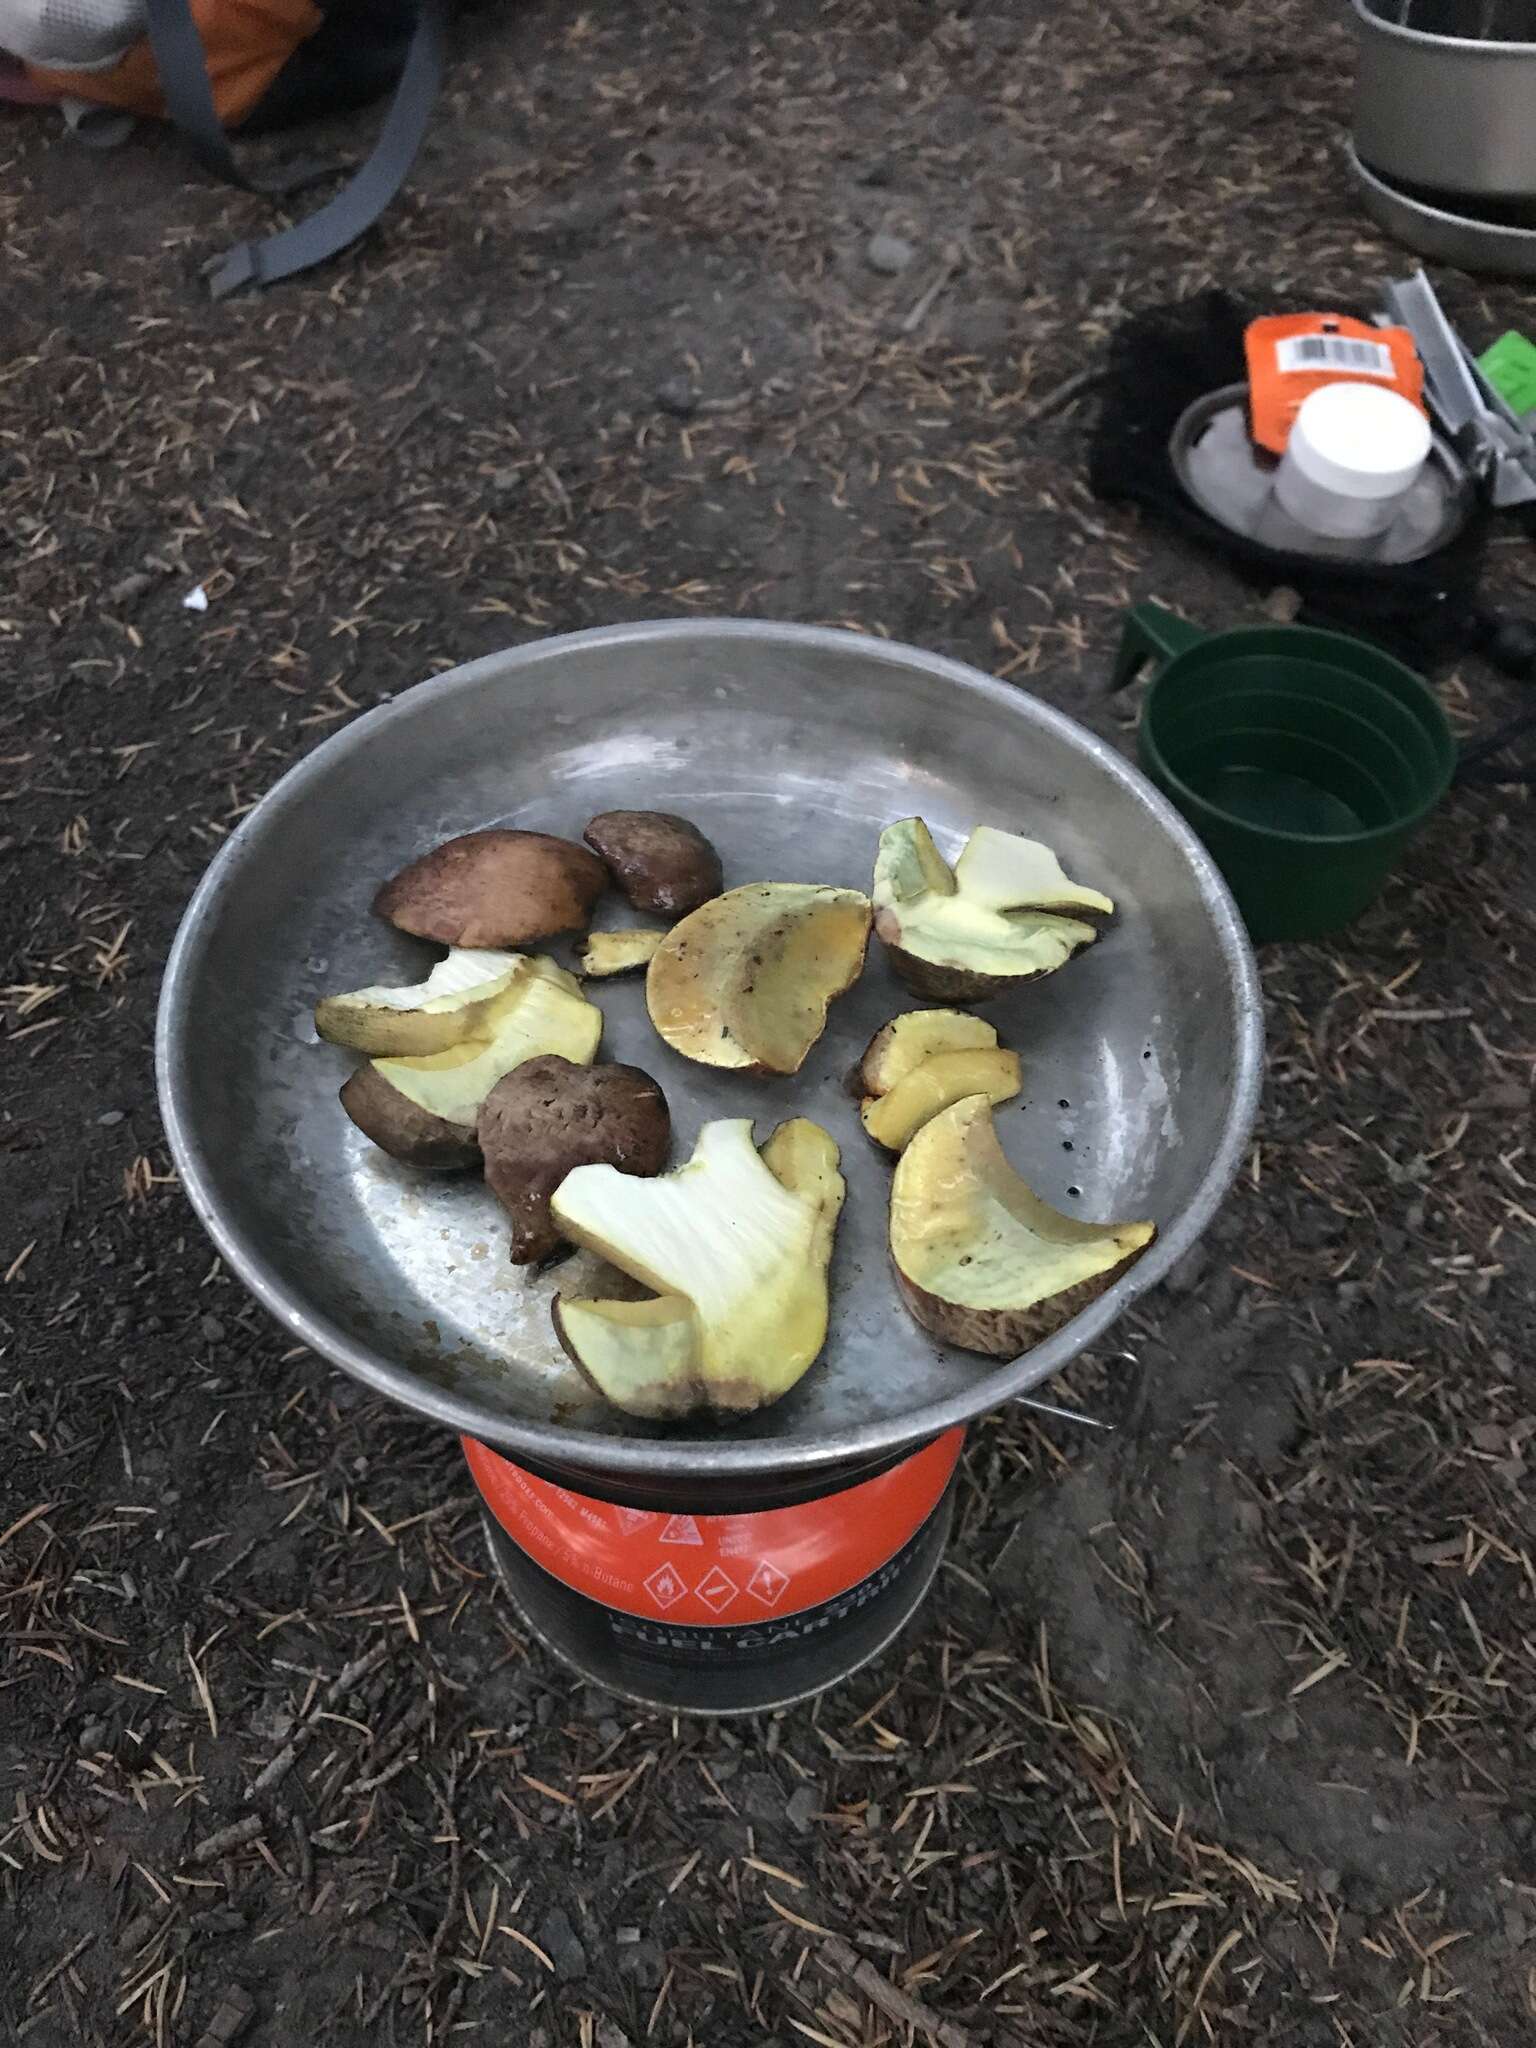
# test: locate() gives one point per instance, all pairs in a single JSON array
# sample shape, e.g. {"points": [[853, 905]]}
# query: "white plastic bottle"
{"points": [[1354, 453]]}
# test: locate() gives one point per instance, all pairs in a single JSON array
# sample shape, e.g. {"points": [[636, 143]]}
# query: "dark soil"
{"points": [[1220, 1729]]}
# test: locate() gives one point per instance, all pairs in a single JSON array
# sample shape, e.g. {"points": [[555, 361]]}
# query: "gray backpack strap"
{"points": [[183, 71]]}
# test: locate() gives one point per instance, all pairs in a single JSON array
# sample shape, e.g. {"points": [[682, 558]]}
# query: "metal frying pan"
{"points": [[791, 746]]}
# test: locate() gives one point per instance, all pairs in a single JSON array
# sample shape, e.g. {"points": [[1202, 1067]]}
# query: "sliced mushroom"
{"points": [[427, 1017], [911, 1038], [895, 1118], [980, 1259], [747, 980], [605, 955], [736, 1246], [542, 1011], [1004, 914]]}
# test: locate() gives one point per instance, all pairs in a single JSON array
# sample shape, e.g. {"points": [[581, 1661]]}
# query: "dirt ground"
{"points": [[1219, 1729]]}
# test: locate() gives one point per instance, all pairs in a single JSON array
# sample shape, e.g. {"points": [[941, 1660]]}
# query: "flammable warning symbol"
{"points": [[665, 1587]]}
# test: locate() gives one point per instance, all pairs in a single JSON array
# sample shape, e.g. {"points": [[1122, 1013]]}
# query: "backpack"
{"points": [[209, 66]]}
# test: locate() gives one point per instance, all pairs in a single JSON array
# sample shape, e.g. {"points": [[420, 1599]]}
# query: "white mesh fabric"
{"points": [[71, 35]]}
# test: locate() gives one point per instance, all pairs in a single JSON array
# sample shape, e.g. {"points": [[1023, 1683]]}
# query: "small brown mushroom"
{"points": [[495, 888], [549, 1115], [662, 863], [404, 1129]]}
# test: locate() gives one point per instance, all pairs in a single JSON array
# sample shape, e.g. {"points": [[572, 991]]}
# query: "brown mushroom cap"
{"points": [[404, 1129], [549, 1115], [495, 888], [661, 862]]}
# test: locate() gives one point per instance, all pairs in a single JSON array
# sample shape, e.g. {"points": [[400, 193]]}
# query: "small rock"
{"points": [[804, 1805], [1283, 605], [761, 1799], [1517, 1929], [888, 255], [1329, 1881], [93, 1736], [504, 481], [1286, 1727], [624, 1936], [678, 397], [212, 1329], [136, 1933], [236, 2010], [560, 1942], [111, 1118], [608, 1730], [129, 589], [609, 2036]]}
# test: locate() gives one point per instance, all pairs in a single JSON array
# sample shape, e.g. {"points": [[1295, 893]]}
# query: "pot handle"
{"points": [[1151, 633]]}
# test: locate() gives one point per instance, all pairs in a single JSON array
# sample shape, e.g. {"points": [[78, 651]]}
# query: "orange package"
{"points": [[1291, 355]]}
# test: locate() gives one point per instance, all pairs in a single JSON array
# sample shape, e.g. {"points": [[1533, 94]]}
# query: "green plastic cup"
{"points": [[1306, 761]]}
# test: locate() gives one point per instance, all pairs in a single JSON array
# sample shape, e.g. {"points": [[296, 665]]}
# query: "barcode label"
{"points": [[1334, 352]]}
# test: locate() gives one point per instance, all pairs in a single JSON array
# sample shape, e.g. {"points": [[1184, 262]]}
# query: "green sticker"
{"points": [[1510, 367]]}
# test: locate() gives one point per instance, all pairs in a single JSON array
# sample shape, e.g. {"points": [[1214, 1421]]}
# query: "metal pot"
{"points": [[1448, 233], [1445, 97], [791, 746]]}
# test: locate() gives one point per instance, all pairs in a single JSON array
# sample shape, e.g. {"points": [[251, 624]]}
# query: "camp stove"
{"points": [[733, 1562], [711, 1613]]}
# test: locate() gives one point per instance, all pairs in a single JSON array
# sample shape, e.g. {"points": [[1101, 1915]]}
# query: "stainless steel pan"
{"points": [[791, 746]]}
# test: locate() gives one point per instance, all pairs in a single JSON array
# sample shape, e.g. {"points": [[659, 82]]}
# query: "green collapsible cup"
{"points": [[1306, 761]]}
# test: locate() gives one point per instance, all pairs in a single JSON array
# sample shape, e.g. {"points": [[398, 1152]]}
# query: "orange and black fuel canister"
{"points": [[718, 1613]]}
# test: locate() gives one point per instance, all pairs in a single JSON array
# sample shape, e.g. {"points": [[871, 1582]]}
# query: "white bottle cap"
{"points": [[1357, 441]]}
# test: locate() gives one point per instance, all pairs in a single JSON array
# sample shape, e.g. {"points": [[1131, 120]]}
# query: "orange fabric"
{"points": [[247, 43]]}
